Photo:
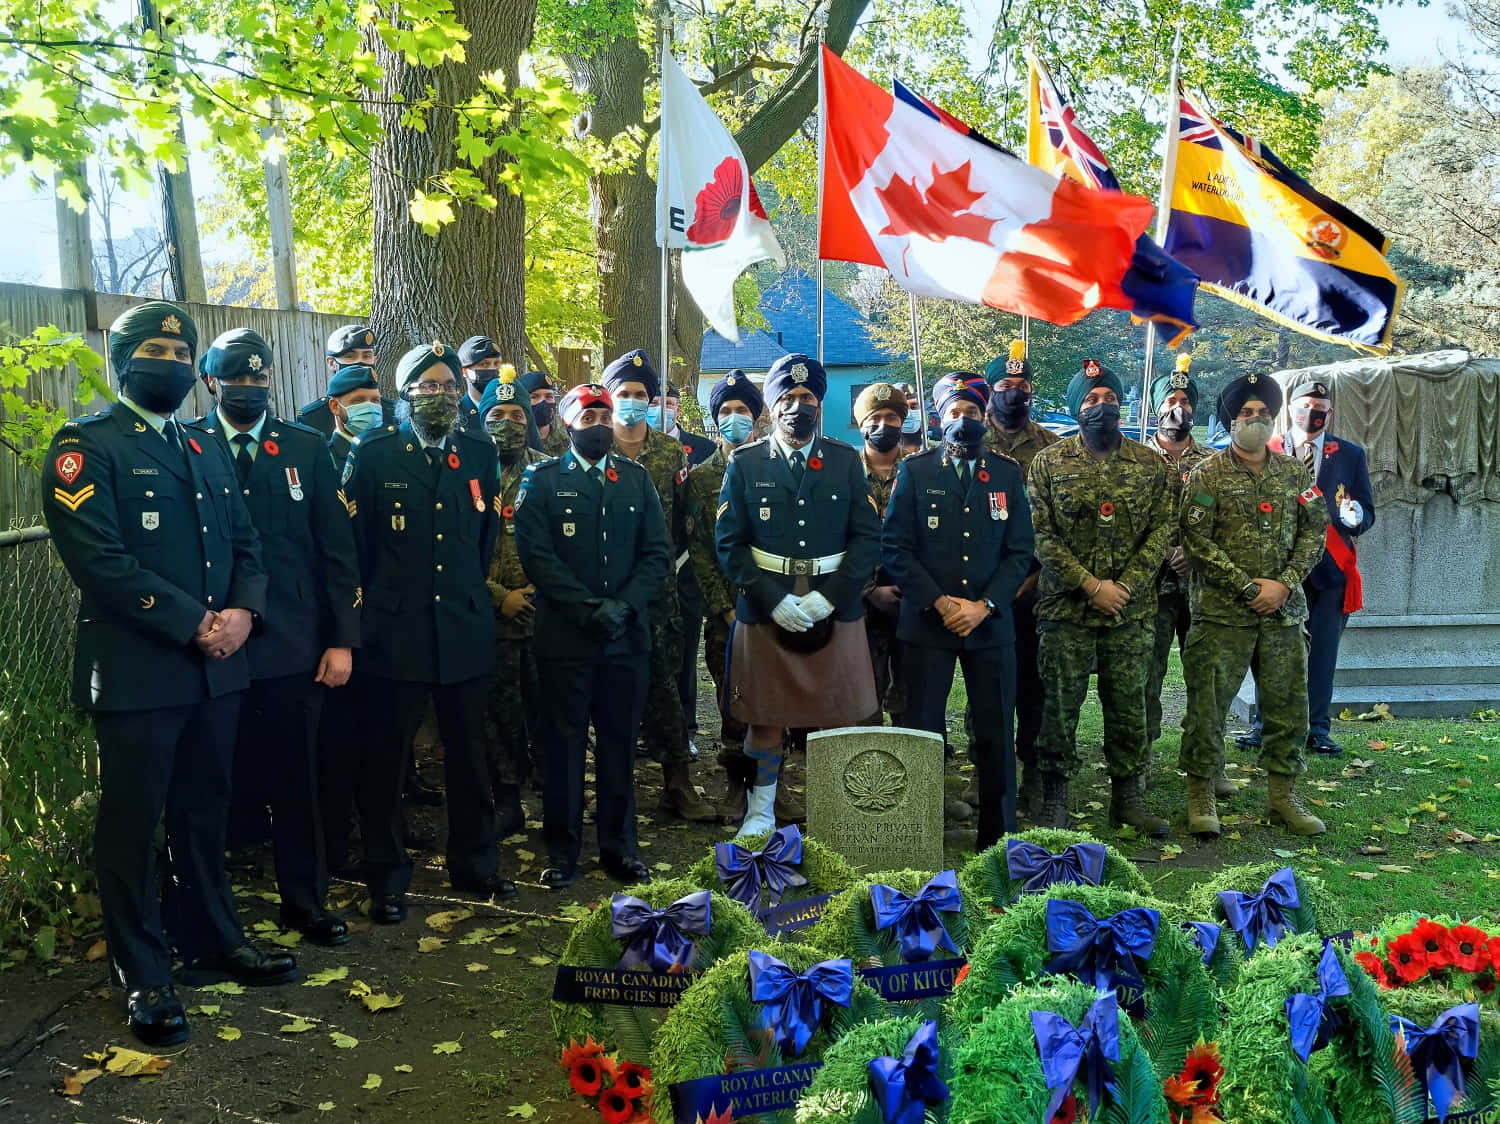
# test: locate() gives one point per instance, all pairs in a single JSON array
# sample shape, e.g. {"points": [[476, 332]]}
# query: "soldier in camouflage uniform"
{"points": [[879, 412], [1253, 525], [1101, 507], [515, 699], [551, 433], [734, 403], [633, 382]]}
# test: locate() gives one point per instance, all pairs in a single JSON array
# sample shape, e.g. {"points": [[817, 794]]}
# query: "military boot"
{"points": [[1202, 809], [1054, 810], [787, 808], [1224, 788], [1287, 810], [679, 797], [741, 772], [1029, 799], [1127, 806]]}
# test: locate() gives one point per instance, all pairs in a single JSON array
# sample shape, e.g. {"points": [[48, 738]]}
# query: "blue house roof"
{"points": [[791, 309]]}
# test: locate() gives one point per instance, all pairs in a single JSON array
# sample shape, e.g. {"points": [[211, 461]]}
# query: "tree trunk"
{"points": [[470, 279]]}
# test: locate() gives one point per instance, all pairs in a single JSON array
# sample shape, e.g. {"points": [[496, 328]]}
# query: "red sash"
{"points": [[1343, 557]]}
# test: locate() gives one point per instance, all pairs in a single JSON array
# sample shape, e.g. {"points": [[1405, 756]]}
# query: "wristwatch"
{"points": [[990, 606]]}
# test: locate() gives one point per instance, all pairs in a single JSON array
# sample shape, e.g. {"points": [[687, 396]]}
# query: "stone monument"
{"points": [[875, 795]]}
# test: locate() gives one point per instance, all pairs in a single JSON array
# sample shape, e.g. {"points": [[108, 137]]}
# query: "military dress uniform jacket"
{"points": [[338, 452], [1108, 518], [942, 538], [1237, 526], [1343, 467], [153, 539], [317, 415], [307, 547], [582, 542], [762, 506], [697, 449], [424, 535]]}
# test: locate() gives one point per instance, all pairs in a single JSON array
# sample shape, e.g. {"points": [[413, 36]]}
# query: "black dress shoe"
{"points": [[492, 887], [558, 877], [247, 965], [627, 870], [419, 792], [156, 1016], [510, 815], [321, 928], [388, 911], [1322, 743], [1249, 740]]}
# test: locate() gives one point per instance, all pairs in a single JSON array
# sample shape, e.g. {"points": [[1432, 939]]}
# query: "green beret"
{"points": [[1092, 374], [1177, 379], [235, 353], [149, 321], [422, 358], [348, 338], [354, 376]]}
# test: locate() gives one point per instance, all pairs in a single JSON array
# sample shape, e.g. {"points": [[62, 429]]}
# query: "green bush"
{"points": [[840, 1093]]}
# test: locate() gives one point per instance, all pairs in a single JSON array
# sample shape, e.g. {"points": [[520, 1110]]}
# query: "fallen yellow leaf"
{"points": [[402, 1068], [1364, 875], [343, 1041], [430, 944], [477, 967], [447, 1047], [229, 1033], [373, 1081], [96, 951], [74, 1082], [133, 1063], [296, 1026], [380, 1001], [442, 922]]}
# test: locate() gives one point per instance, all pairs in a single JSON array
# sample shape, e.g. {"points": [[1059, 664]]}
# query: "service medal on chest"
{"points": [[998, 510], [293, 484]]}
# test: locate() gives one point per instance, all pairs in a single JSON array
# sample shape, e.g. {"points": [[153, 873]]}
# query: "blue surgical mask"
{"points": [[630, 411], [362, 416], [735, 428], [912, 423], [653, 418]]}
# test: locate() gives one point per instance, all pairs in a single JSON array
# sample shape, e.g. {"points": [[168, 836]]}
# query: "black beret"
{"points": [[633, 366], [237, 352], [350, 337], [792, 371], [735, 386], [536, 380], [477, 348], [149, 321], [1236, 394], [352, 376], [422, 358], [1306, 386]]}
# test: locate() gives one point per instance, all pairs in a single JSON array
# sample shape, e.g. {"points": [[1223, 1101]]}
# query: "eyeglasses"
{"points": [[427, 388]]}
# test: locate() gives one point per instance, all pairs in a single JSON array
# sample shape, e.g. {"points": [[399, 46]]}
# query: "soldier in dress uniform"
{"points": [[347, 346], [1101, 507], [311, 616], [958, 542], [1253, 524], [482, 364], [355, 405], [1334, 588], [552, 434], [697, 449], [1012, 433], [422, 497], [152, 529], [592, 539], [515, 700], [798, 535], [632, 383], [879, 411]]}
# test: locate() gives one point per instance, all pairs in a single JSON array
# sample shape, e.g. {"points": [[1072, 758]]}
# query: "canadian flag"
{"points": [[951, 216], [706, 203]]}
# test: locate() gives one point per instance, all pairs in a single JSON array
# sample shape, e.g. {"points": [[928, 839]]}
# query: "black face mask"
{"points": [[882, 438], [157, 385], [243, 405], [481, 379], [541, 413], [1176, 423], [433, 415], [1310, 421], [1011, 407], [1099, 426], [962, 438], [592, 442], [799, 421]]}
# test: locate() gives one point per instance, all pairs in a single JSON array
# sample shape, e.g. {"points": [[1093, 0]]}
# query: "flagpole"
{"points": [[916, 360], [666, 254], [1163, 208], [818, 248], [1026, 320]]}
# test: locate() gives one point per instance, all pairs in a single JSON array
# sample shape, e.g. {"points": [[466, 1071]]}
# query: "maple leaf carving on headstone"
{"points": [[939, 213]]}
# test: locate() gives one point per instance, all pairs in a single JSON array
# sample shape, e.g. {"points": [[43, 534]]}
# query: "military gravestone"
{"points": [[875, 795]]}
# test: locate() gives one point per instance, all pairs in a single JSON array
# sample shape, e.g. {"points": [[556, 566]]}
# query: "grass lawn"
{"points": [[1412, 807]]}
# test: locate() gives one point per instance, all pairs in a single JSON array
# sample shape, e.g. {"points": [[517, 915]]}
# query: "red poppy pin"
{"points": [[686, 450], [983, 476], [611, 475], [270, 447], [815, 463], [509, 512], [193, 445], [1106, 509], [1330, 445], [1265, 507], [453, 460]]}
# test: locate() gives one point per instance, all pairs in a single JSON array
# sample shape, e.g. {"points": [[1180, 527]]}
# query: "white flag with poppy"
{"points": [[706, 204]]}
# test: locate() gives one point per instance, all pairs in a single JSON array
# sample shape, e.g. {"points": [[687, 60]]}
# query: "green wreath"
{"points": [[631, 1029], [1421, 951], [825, 869], [840, 1093], [997, 1073], [1181, 1004], [1423, 1005], [986, 878], [711, 1031], [1359, 1078], [1317, 912]]}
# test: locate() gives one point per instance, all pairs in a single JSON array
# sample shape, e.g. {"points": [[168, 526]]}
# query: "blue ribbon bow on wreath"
{"points": [[1036, 868], [905, 1086], [916, 918], [792, 1004], [1105, 952], [1263, 915], [1206, 934], [1069, 1053], [1311, 1020], [773, 867], [1437, 1053], [657, 939]]}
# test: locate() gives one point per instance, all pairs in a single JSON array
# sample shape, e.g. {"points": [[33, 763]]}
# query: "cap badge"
{"points": [[369, 339], [1015, 366], [255, 362], [731, 380], [636, 359], [1092, 368], [1178, 381], [1252, 378], [882, 392], [171, 324], [505, 392], [799, 373]]}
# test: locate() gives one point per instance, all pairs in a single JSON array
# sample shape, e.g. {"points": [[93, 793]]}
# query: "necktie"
{"points": [[596, 474], [242, 458], [169, 435], [798, 462], [963, 473], [1310, 456]]}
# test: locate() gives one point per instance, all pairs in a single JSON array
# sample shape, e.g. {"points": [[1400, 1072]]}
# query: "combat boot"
{"points": [[787, 808], [1287, 810], [1029, 800], [1054, 811], [1126, 806], [679, 797], [1224, 788], [1202, 809], [758, 817], [741, 771]]}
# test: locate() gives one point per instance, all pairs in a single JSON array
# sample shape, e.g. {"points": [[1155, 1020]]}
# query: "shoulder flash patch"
{"points": [[1203, 499], [1308, 496], [682, 474]]}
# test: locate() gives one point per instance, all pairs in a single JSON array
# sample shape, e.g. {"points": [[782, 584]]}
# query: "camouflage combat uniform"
{"points": [[700, 498], [1237, 526], [555, 444], [1023, 445], [512, 709], [663, 726], [1171, 587], [1107, 519], [880, 630]]}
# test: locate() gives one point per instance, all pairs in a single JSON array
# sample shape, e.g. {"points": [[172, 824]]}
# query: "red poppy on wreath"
{"points": [[1067, 1112], [1179, 1092], [717, 207], [1407, 959], [815, 463], [1468, 948], [983, 476], [1106, 509], [611, 475], [1265, 507], [452, 460], [1204, 1070], [634, 1079], [615, 1107], [508, 511], [270, 447], [586, 1076], [1484, 983], [1436, 946], [963, 974], [1374, 967], [1492, 946]]}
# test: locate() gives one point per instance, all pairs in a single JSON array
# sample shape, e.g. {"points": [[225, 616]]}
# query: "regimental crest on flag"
{"points": [[998, 510], [69, 465], [1325, 237]]}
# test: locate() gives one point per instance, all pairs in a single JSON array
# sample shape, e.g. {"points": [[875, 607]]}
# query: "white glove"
{"points": [[789, 615], [1351, 513], [816, 606]]}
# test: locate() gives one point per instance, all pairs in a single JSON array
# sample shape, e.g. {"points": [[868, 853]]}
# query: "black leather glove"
{"points": [[611, 617]]}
